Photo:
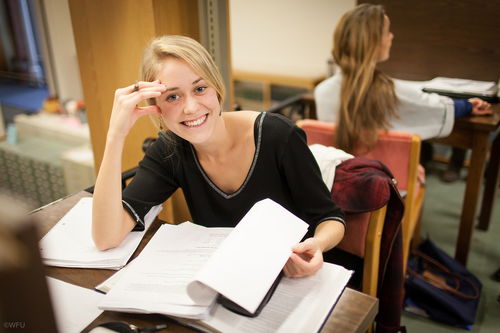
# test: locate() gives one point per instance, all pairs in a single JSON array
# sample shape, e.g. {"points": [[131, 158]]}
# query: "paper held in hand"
{"points": [[69, 243], [185, 267]]}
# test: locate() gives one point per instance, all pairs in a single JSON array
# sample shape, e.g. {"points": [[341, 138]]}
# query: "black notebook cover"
{"points": [[230, 305]]}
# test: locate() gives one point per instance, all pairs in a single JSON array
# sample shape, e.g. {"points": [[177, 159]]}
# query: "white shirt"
{"points": [[424, 114], [328, 159]]}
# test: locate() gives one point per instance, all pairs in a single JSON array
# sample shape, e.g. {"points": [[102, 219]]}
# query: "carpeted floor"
{"points": [[440, 221]]}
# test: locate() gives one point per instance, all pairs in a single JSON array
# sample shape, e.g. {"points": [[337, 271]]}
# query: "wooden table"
{"points": [[472, 133], [354, 311]]}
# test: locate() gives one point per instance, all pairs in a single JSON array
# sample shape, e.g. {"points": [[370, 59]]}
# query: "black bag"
{"points": [[440, 287]]}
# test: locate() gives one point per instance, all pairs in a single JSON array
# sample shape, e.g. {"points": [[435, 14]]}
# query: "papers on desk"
{"points": [[156, 281], [461, 87], [298, 305], [69, 243], [184, 267], [73, 316]]}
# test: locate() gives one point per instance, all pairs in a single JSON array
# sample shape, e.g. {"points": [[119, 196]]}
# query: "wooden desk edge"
{"points": [[351, 304]]}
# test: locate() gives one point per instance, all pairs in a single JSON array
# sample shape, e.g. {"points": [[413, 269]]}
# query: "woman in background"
{"points": [[362, 100]]}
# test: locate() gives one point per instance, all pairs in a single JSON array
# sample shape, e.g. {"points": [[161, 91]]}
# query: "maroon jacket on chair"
{"points": [[363, 185]]}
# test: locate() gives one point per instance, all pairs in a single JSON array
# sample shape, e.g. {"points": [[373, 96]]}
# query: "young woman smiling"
{"points": [[224, 162]]}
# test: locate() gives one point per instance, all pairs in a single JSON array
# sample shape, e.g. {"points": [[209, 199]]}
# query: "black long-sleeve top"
{"points": [[283, 169]]}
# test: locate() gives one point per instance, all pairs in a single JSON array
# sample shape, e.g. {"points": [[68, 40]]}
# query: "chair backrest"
{"points": [[363, 238], [364, 232], [400, 152]]}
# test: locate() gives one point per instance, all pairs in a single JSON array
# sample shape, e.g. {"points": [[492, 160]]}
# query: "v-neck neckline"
{"points": [[257, 141]]}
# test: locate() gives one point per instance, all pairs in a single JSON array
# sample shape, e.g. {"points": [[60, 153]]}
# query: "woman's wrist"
{"points": [[328, 234], [463, 107], [114, 137]]}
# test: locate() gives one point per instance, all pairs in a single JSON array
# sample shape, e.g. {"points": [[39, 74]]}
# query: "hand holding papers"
{"points": [[69, 243], [256, 250], [183, 269]]}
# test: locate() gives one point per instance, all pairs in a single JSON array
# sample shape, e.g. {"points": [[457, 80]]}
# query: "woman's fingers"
{"points": [[145, 110], [480, 107], [141, 85], [126, 99], [298, 266], [482, 110], [125, 106], [139, 91], [145, 94]]}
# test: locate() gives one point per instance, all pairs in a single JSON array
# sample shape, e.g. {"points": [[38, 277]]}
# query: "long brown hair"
{"points": [[367, 98]]}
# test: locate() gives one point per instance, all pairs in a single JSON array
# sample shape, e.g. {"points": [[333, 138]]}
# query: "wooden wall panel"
{"points": [[184, 22], [110, 37], [443, 38]]}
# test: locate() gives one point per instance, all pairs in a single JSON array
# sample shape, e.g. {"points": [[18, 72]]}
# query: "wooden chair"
{"points": [[400, 152], [368, 227]]}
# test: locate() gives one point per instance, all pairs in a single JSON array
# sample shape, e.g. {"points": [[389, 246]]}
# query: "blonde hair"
{"points": [[195, 55], [186, 49], [367, 98]]}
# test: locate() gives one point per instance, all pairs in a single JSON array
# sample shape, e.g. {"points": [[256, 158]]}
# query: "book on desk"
{"points": [[463, 88]]}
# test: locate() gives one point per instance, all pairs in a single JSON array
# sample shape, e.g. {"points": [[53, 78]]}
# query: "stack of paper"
{"points": [[156, 281], [298, 305], [69, 243], [461, 86], [184, 267]]}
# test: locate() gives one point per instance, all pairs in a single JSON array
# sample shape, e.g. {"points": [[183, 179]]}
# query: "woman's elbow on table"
{"points": [[103, 243], [105, 239]]}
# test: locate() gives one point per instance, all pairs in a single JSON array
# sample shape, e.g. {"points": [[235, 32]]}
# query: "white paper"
{"points": [[74, 307], [461, 85], [183, 267], [157, 280], [328, 158], [110, 282], [69, 243], [256, 250], [297, 305]]}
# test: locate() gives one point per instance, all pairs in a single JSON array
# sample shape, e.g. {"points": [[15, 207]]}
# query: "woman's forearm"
{"points": [[329, 234], [110, 223]]}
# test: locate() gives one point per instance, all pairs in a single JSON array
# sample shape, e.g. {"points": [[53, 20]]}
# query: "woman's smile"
{"points": [[197, 122]]}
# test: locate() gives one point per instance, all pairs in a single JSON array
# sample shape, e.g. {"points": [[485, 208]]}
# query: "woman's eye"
{"points": [[172, 98], [200, 89]]}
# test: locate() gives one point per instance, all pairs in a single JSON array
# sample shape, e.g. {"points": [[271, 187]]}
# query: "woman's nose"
{"points": [[191, 105]]}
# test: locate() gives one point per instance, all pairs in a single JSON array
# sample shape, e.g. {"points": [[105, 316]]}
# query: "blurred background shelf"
{"points": [[261, 91]]}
